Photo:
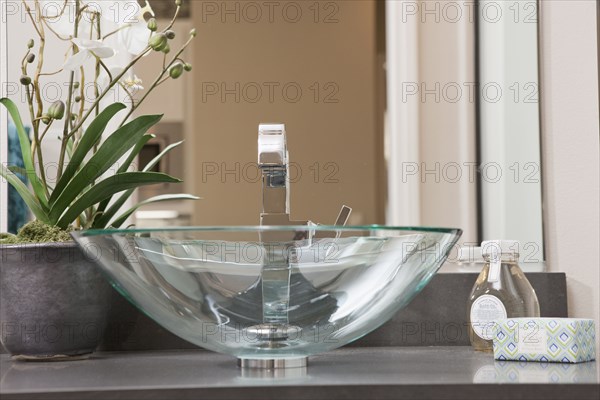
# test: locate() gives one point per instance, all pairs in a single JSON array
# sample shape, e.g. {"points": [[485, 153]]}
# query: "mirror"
{"points": [[509, 126], [400, 109]]}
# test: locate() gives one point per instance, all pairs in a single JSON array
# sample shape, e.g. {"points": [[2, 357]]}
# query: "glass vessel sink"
{"points": [[270, 295]]}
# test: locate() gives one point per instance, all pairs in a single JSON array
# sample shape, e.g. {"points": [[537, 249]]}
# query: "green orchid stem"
{"points": [[173, 19], [157, 81], [36, 147], [31, 16], [46, 130], [105, 68], [81, 94], [89, 211], [97, 75], [128, 93], [65, 138], [35, 118]]}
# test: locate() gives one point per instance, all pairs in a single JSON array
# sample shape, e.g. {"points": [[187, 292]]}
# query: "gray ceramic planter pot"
{"points": [[53, 301]]}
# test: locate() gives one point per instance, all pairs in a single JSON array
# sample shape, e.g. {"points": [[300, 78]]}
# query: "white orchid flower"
{"points": [[128, 17], [135, 36], [132, 83], [87, 50]]}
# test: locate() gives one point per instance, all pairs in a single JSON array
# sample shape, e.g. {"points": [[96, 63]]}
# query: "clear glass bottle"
{"points": [[501, 291]]}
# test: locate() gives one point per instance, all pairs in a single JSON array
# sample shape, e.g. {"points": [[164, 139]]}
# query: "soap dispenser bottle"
{"points": [[501, 291]]}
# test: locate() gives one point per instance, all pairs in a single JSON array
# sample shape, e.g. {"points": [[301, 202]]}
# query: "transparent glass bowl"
{"points": [[260, 292]]}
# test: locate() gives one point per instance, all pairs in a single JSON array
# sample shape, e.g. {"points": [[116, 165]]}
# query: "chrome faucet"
{"points": [[273, 161]]}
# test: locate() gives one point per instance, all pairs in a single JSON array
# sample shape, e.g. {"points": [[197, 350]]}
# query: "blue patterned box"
{"points": [[568, 340]]}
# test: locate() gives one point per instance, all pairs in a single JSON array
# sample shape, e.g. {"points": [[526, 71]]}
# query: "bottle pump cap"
{"points": [[494, 248], [470, 254]]}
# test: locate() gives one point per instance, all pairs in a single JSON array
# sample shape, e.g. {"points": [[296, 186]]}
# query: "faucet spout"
{"points": [[273, 163]]}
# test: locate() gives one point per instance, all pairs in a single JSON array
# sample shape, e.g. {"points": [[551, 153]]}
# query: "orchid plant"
{"points": [[103, 46]]}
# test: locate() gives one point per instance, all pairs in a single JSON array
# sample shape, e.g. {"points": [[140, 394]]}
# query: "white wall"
{"points": [[570, 141]]}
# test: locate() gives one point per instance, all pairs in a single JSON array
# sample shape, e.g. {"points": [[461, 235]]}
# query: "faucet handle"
{"points": [[343, 216], [272, 146], [341, 220]]}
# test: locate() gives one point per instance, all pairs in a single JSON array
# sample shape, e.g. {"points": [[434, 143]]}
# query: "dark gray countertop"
{"points": [[382, 372]]}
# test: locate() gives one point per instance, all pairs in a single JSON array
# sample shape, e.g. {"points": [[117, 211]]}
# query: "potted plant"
{"points": [[53, 302]]}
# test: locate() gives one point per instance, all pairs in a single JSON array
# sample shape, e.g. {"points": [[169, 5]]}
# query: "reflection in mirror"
{"points": [[463, 132], [388, 106], [509, 129]]}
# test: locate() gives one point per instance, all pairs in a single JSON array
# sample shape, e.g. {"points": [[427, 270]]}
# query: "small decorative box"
{"points": [[567, 340]]}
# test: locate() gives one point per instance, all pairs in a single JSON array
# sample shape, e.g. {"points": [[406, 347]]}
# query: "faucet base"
{"points": [[272, 333], [270, 364]]}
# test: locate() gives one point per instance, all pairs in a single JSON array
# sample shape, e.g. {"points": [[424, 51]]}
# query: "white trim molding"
{"points": [[402, 125], [570, 146], [3, 115]]}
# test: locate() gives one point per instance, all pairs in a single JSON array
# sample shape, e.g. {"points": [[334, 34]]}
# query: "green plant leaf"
{"points": [[36, 184], [70, 147], [152, 163], [25, 194], [136, 150], [123, 168], [21, 171], [115, 146], [82, 219], [165, 197], [17, 170], [108, 187], [91, 136], [104, 218]]}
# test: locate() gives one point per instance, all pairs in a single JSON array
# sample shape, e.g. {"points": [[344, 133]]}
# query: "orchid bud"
{"points": [[167, 49], [177, 3], [170, 34], [193, 32], [176, 71], [158, 42], [30, 43], [45, 119], [187, 67], [75, 85], [30, 58], [25, 80], [56, 110], [152, 25], [73, 117], [77, 99]]}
